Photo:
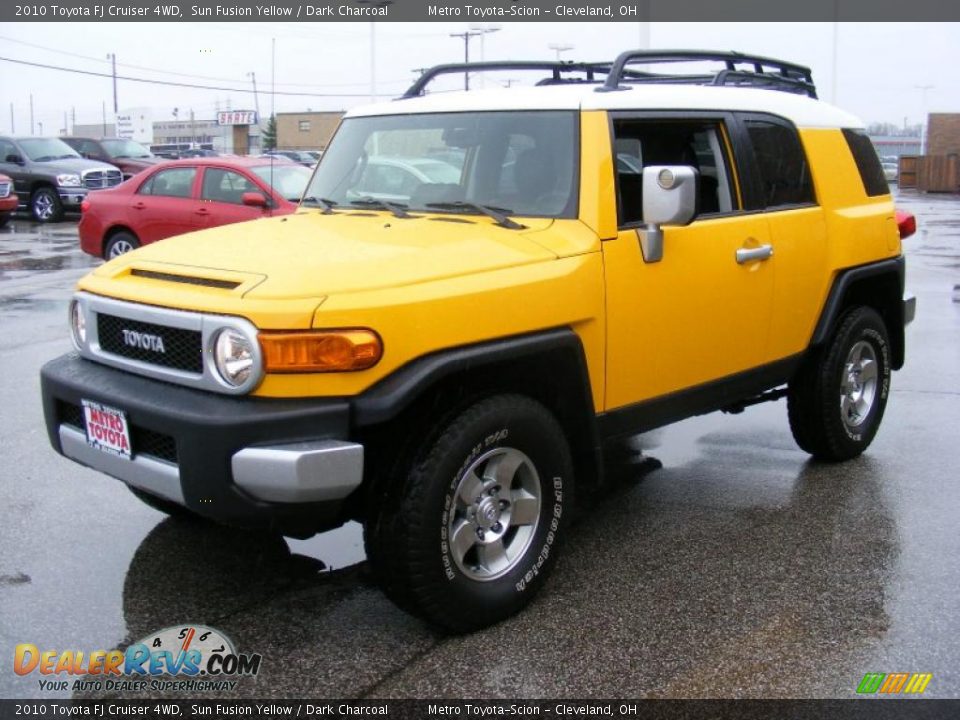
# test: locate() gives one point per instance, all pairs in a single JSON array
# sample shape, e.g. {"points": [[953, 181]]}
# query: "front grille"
{"points": [[158, 445], [99, 179], [145, 442], [182, 349], [4, 189]]}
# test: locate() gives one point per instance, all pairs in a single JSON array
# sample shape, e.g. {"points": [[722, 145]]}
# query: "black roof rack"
{"points": [[760, 71], [557, 69]]}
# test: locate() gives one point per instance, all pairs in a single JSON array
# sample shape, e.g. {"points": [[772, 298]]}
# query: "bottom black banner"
{"points": [[875, 709]]}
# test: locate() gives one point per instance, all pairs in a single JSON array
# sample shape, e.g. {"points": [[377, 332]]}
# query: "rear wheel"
{"points": [[45, 205], [469, 535], [119, 244], [837, 400]]}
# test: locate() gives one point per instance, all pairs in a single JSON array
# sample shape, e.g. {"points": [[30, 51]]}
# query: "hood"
{"points": [[136, 164], [294, 262], [74, 165]]}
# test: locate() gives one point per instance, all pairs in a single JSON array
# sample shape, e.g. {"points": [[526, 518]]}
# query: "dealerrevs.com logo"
{"points": [[198, 658]]}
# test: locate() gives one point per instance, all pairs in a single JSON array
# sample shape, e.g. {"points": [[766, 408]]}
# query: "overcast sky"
{"points": [[879, 65]]}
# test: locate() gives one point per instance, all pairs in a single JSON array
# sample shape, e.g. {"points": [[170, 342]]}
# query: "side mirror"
{"points": [[14, 158], [254, 199], [670, 194]]}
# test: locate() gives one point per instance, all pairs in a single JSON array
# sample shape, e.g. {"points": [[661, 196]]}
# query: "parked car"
{"points": [[396, 179], [304, 158], [49, 176], [8, 199], [130, 156], [891, 171], [183, 195]]}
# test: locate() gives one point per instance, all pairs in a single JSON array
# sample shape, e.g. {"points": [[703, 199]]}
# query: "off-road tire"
{"points": [[410, 536], [815, 394], [45, 205]]}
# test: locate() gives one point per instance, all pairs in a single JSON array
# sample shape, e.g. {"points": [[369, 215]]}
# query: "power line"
{"points": [[179, 74], [181, 84]]}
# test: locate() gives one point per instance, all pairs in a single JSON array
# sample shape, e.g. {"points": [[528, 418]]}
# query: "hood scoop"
{"points": [[186, 279]]}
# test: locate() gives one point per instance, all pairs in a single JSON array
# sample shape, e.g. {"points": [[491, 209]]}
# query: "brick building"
{"points": [[306, 130], [943, 134]]}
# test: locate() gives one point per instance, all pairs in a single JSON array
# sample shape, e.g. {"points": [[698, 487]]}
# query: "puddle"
{"points": [[338, 548]]}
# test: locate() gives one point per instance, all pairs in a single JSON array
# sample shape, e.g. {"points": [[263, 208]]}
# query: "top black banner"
{"points": [[479, 10]]}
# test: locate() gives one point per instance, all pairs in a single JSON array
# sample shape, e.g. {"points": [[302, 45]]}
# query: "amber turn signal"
{"points": [[320, 351]]}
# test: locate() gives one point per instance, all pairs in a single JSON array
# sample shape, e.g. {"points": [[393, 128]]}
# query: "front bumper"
{"points": [[71, 197], [281, 464], [909, 308]]}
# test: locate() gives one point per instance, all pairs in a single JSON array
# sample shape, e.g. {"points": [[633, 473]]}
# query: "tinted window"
{"points": [[225, 186], [698, 144], [175, 182], [781, 164], [865, 156]]}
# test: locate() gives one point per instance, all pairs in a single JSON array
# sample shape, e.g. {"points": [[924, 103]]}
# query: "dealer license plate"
{"points": [[107, 429]]}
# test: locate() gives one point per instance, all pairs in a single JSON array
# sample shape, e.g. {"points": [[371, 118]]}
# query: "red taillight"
{"points": [[906, 223], [84, 206]]}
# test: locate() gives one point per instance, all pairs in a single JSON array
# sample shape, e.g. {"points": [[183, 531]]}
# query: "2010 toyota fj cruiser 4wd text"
{"points": [[479, 291]]}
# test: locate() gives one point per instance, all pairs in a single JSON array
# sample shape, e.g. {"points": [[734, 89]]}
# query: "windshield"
{"points": [[44, 149], [125, 149], [521, 162], [288, 180]]}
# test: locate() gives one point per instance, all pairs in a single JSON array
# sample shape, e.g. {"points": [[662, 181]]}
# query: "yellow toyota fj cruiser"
{"points": [[478, 292]]}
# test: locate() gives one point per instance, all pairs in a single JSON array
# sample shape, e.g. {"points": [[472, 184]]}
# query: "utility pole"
{"points": [[103, 106], [66, 128], [112, 57], [466, 35], [373, 62], [73, 119], [193, 130], [256, 100], [31, 113], [13, 129]]}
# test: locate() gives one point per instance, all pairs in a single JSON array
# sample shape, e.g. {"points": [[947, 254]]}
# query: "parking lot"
{"points": [[739, 569]]}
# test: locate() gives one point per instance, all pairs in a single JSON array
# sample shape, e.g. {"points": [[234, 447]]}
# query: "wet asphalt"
{"points": [[739, 569]]}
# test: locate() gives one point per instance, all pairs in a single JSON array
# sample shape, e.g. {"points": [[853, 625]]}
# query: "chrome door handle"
{"points": [[745, 255]]}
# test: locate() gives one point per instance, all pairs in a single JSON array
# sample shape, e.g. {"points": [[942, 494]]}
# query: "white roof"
{"points": [[801, 110]]}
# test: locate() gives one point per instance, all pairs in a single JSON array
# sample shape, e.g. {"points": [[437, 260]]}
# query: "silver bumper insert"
{"points": [[909, 308], [300, 472], [153, 476]]}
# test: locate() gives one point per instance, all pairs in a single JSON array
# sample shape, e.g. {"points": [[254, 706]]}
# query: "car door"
{"points": [[166, 204], [701, 313], [221, 197]]}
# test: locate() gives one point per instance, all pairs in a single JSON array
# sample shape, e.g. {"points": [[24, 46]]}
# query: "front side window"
{"points": [[524, 163], [781, 164], [175, 182], [641, 143], [225, 186]]}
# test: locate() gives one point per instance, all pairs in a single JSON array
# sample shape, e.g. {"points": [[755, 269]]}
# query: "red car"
{"points": [[184, 195], [8, 199]]}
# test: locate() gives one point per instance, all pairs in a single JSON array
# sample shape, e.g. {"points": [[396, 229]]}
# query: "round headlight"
{"points": [[78, 324], [233, 354]]}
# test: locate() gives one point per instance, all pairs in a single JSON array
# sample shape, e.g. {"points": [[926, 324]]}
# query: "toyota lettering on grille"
{"points": [[144, 341]]}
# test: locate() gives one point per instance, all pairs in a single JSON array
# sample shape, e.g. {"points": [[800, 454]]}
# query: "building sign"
{"points": [[135, 124], [237, 117]]}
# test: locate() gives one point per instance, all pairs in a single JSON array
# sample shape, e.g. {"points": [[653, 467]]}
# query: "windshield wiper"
{"points": [[497, 213], [66, 157], [327, 205], [44, 158], [396, 208]]}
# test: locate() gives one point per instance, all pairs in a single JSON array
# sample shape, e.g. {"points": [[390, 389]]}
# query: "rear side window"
{"points": [[781, 164], [865, 156]]}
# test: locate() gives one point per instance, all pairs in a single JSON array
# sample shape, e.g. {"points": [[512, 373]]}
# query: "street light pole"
{"points": [[924, 125], [466, 35], [559, 48]]}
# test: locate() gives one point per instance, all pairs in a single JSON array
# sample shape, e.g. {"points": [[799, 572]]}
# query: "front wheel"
{"points": [[46, 206], [119, 244], [837, 400], [471, 533]]}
